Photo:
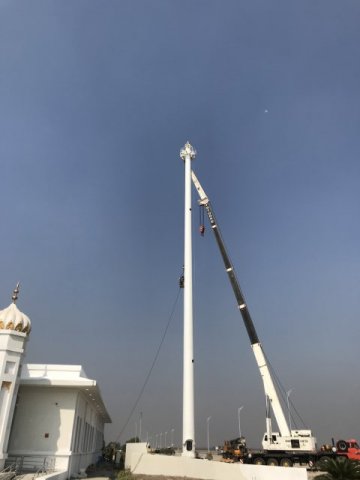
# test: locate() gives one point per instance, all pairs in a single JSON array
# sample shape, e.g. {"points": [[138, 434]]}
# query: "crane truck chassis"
{"points": [[236, 451]]}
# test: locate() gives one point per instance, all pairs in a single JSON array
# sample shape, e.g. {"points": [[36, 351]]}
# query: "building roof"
{"points": [[11, 318], [67, 376]]}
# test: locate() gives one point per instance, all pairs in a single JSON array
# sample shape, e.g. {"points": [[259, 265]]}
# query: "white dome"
{"points": [[12, 319]]}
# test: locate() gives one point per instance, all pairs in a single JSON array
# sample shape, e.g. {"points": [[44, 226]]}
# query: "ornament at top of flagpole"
{"points": [[188, 149]]}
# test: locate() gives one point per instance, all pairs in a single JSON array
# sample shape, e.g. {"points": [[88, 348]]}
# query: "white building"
{"points": [[51, 416], [14, 330], [59, 418]]}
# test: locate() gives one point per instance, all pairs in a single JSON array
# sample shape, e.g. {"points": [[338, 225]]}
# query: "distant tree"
{"points": [[109, 450], [338, 469]]}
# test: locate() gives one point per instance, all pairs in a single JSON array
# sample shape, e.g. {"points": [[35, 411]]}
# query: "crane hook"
{"points": [[201, 217]]}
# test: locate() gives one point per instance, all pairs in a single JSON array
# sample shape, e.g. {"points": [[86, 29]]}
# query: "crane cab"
{"points": [[300, 440]]}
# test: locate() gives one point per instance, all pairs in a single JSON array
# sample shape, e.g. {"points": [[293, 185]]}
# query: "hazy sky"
{"points": [[96, 100]]}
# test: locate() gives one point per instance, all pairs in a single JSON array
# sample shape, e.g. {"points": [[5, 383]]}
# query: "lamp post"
{"points": [[160, 439], [165, 445], [239, 412], [172, 437], [156, 440], [208, 433], [140, 422], [187, 154], [288, 405]]}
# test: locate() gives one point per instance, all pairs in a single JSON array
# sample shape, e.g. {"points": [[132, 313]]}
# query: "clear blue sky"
{"points": [[97, 98]]}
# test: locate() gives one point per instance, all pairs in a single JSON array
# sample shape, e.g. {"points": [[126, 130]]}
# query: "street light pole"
{"points": [[140, 422], [239, 411], [208, 433], [288, 405], [172, 437], [165, 446]]}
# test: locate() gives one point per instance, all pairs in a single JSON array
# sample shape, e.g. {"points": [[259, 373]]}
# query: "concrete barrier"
{"points": [[135, 449], [142, 462]]}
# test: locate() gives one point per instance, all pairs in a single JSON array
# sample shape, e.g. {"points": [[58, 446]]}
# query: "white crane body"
{"points": [[285, 439]]}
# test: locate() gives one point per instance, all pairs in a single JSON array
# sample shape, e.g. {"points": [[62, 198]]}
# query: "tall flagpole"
{"points": [[187, 154]]}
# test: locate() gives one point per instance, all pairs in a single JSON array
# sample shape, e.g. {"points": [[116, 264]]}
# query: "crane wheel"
{"points": [[272, 462], [342, 446], [286, 462], [259, 461]]}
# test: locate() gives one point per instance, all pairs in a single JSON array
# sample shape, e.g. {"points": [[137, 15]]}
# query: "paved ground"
{"points": [[103, 472], [101, 477], [312, 475], [160, 477]]}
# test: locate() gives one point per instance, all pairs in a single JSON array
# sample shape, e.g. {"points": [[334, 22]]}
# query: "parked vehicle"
{"points": [[237, 451]]}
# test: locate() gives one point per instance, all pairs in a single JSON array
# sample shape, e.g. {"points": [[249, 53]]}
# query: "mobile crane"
{"points": [[279, 446]]}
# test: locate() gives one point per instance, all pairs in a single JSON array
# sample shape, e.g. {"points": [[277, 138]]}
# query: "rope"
{"points": [[151, 368]]}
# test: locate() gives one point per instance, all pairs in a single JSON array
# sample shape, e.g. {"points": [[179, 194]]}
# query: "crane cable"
{"points": [[282, 392], [151, 367]]}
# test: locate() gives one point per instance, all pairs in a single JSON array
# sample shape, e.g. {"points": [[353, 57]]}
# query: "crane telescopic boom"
{"points": [[269, 387]]}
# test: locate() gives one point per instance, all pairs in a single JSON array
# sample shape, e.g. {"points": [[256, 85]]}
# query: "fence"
{"points": [[37, 464]]}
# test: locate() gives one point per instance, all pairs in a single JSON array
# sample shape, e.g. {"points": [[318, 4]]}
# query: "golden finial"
{"points": [[15, 293]]}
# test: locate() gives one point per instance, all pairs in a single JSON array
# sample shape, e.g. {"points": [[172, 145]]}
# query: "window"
{"points": [[76, 447], [4, 398], [10, 367]]}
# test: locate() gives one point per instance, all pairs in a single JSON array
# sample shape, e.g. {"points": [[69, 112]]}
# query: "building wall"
{"points": [[88, 434], [57, 421], [43, 420], [11, 351]]}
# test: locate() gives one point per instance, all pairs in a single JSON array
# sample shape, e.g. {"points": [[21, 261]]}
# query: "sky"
{"points": [[96, 100]]}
